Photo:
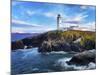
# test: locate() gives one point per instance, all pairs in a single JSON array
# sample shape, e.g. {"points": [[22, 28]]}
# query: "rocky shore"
{"points": [[81, 42]]}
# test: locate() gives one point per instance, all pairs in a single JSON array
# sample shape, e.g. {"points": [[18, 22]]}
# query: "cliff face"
{"points": [[59, 41]]}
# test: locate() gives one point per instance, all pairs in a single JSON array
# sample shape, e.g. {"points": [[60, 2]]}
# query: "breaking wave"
{"points": [[62, 65]]}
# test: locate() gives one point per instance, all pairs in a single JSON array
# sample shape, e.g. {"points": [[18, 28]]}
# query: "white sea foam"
{"points": [[25, 47], [30, 52], [58, 52], [91, 65], [62, 63], [64, 59], [55, 52], [35, 69]]}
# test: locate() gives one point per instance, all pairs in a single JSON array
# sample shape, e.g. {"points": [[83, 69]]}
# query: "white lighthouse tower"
{"points": [[58, 21]]}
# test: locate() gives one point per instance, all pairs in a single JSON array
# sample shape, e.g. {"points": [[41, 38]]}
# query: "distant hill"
{"points": [[19, 36]]}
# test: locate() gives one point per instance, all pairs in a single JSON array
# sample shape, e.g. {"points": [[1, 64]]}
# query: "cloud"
{"points": [[19, 22], [17, 30], [31, 29], [24, 23], [87, 7], [77, 19], [83, 7], [91, 25], [50, 14], [15, 16], [80, 17], [30, 12], [25, 27], [93, 7]]}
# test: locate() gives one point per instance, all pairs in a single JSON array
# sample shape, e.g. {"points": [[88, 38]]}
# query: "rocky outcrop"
{"points": [[52, 45], [29, 42], [76, 41], [48, 46], [68, 41], [83, 58], [17, 45]]}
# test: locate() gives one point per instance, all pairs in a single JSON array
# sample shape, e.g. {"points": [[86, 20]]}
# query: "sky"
{"points": [[38, 17]]}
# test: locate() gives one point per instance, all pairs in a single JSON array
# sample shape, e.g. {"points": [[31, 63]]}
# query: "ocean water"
{"points": [[24, 61]]}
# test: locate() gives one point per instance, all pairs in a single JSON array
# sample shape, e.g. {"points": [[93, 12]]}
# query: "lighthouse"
{"points": [[58, 21]]}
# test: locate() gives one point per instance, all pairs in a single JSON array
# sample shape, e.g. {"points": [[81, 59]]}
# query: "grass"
{"points": [[88, 41], [88, 38]]}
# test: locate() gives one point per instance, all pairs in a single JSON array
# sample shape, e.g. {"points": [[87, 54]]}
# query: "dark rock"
{"points": [[48, 46], [76, 48], [17, 45], [83, 58], [27, 41]]}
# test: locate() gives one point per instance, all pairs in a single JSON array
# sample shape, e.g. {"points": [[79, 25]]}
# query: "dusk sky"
{"points": [[36, 17]]}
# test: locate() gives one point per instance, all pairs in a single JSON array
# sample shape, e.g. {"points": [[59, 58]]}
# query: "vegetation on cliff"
{"points": [[65, 41], [72, 40]]}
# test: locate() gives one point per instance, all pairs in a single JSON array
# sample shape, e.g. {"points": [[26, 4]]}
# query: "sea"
{"points": [[27, 61]]}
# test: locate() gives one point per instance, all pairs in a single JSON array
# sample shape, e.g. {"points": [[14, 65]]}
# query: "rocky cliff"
{"points": [[71, 40]]}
